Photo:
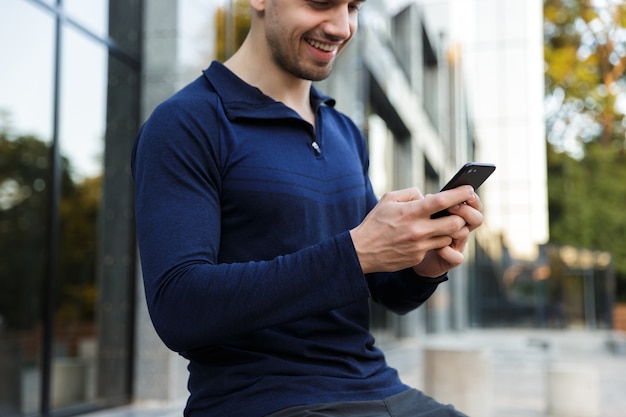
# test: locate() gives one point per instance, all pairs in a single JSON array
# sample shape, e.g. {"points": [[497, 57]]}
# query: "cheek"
{"points": [[354, 24], [353, 28]]}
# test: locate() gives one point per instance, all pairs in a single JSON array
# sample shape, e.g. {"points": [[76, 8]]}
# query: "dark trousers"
{"points": [[410, 403]]}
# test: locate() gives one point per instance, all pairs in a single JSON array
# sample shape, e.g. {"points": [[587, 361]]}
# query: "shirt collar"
{"points": [[240, 99]]}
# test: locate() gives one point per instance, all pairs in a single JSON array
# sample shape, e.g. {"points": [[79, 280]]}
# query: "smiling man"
{"points": [[261, 239]]}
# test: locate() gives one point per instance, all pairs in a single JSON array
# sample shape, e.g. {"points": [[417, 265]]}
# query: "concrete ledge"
{"points": [[144, 409], [461, 376], [573, 390]]}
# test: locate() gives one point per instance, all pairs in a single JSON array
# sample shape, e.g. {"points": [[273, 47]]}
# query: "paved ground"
{"points": [[521, 360]]}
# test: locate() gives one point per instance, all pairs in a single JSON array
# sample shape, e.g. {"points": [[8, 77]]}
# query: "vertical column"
{"points": [[461, 376], [159, 374], [573, 391], [116, 259]]}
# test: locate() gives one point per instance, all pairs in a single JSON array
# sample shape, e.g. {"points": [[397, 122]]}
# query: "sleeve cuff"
{"points": [[434, 280]]}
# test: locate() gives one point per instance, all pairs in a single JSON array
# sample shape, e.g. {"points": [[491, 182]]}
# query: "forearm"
{"points": [[197, 303]]}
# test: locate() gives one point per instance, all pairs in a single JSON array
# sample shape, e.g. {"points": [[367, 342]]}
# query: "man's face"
{"points": [[305, 36]]}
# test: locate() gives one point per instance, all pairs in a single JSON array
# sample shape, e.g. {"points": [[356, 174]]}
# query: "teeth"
{"points": [[324, 47]]}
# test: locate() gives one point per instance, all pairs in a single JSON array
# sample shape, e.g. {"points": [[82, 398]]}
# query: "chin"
{"points": [[317, 74]]}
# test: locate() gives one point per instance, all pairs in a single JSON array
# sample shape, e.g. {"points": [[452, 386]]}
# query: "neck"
{"points": [[257, 69]]}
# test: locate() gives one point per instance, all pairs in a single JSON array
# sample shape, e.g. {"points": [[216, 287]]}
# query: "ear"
{"points": [[257, 5]]}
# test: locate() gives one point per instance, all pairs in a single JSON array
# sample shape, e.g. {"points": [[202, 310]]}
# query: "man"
{"points": [[261, 239]]}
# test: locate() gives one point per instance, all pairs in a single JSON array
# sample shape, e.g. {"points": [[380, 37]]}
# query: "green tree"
{"points": [[587, 200], [23, 225], [24, 221], [78, 212], [585, 54], [585, 57]]}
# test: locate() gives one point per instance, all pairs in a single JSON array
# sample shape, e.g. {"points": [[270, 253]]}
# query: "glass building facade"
{"points": [[78, 78], [69, 110]]}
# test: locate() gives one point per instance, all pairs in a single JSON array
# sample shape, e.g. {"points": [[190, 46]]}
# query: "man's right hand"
{"points": [[399, 233]]}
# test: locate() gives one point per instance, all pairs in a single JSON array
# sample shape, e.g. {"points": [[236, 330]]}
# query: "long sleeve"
{"points": [[194, 298]]}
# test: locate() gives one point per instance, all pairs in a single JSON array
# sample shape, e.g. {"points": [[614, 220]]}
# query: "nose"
{"points": [[340, 23]]}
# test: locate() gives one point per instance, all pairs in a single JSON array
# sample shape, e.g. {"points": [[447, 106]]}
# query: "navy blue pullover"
{"points": [[249, 268]]}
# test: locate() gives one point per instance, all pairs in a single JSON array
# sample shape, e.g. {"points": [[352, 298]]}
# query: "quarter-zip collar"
{"points": [[241, 100]]}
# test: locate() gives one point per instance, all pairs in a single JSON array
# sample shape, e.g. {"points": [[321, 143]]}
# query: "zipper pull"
{"points": [[316, 147]]}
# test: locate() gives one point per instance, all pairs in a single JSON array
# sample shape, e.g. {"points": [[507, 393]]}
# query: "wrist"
{"points": [[434, 280], [361, 256]]}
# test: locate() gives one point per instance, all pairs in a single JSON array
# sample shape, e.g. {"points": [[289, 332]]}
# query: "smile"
{"points": [[321, 46]]}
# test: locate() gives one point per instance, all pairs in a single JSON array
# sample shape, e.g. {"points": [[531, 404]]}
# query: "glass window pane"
{"points": [[25, 134], [27, 56], [81, 138], [92, 14], [83, 104]]}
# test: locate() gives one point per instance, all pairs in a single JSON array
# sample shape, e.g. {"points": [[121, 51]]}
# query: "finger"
{"points": [[475, 202], [404, 195], [472, 217], [461, 234], [443, 200], [451, 256], [449, 225]]}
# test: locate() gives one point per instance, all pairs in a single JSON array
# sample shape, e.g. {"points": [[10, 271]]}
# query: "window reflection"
{"points": [[83, 96], [92, 14], [25, 135], [93, 283], [27, 63], [81, 138]]}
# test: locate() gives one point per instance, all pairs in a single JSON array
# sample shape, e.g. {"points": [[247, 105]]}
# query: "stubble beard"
{"points": [[290, 62], [303, 69], [296, 68]]}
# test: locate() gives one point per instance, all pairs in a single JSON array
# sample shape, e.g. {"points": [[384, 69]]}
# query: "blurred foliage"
{"points": [[585, 56], [78, 214], [587, 200], [585, 63], [24, 231], [23, 228]]}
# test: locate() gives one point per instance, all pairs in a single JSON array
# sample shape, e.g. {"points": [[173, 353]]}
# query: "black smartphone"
{"points": [[472, 173]]}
